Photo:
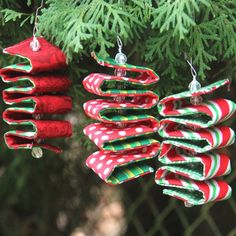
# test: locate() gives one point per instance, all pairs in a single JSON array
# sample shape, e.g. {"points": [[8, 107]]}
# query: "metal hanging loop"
{"points": [[35, 45], [120, 57], [194, 85], [119, 43]]}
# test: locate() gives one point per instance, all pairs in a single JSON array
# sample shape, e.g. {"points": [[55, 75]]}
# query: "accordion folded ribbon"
{"points": [[116, 168], [34, 95], [113, 138], [200, 141], [48, 58], [41, 129], [187, 151], [192, 191], [126, 135], [202, 115], [30, 85], [202, 166]]}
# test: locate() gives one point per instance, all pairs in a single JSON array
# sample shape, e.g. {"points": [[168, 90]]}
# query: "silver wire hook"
{"points": [[35, 45], [194, 84], [35, 30], [119, 43], [120, 56], [193, 71]]}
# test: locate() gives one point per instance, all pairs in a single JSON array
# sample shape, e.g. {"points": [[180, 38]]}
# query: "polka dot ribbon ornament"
{"points": [[125, 132], [192, 131], [35, 91]]}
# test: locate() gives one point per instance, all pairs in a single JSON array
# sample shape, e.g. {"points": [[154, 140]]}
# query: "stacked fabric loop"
{"points": [[125, 136], [35, 82], [190, 134]]}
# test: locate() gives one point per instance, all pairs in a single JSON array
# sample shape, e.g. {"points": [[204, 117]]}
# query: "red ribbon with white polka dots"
{"points": [[126, 135]]}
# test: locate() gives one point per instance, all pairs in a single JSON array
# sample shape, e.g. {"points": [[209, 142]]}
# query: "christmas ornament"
{"points": [[191, 132], [125, 134], [33, 95], [35, 82]]}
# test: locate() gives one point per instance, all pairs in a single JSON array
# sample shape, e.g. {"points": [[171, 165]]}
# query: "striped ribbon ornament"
{"points": [[191, 133], [125, 134], [32, 94]]}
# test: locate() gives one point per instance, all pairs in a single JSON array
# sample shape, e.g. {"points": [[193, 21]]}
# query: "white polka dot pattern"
{"points": [[104, 163], [115, 135]]}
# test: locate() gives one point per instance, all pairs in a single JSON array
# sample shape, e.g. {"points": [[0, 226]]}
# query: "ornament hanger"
{"points": [[35, 45], [120, 56], [119, 43], [194, 85], [37, 152]]}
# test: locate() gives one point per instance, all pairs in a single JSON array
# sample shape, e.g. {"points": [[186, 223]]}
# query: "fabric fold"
{"points": [[48, 58], [116, 168], [126, 134], [36, 90], [191, 136]]}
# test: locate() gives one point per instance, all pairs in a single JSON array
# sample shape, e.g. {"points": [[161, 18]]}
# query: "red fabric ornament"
{"points": [[125, 136], [48, 58], [191, 134], [36, 90]]}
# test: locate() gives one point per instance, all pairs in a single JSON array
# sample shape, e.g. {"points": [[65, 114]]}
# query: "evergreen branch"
{"points": [[77, 25], [199, 45], [177, 15], [224, 16], [11, 15]]}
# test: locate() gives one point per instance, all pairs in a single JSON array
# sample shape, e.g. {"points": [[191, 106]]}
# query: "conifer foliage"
{"points": [[162, 33]]}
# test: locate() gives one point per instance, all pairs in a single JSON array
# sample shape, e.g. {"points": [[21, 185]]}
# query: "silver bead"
{"points": [[35, 45], [37, 152], [194, 86], [119, 99], [37, 116], [187, 204], [120, 72], [121, 58]]}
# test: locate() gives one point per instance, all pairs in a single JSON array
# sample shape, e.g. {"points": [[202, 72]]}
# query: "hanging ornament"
{"points": [[191, 131], [35, 83], [125, 134]]}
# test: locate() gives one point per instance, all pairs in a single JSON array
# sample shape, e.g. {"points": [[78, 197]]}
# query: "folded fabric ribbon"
{"points": [[190, 136], [34, 95], [202, 166], [113, 138], [209, 113], [126, 135], [24, 85], [116, 168], [191, 191], [200, 141], [48, 58]]}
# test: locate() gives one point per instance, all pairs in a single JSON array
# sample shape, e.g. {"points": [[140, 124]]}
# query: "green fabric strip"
{"points": [[124, 173], [125, 144]]}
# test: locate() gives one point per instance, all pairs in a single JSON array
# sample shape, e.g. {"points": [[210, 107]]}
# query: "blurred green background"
{"points": [[57, 194]]}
